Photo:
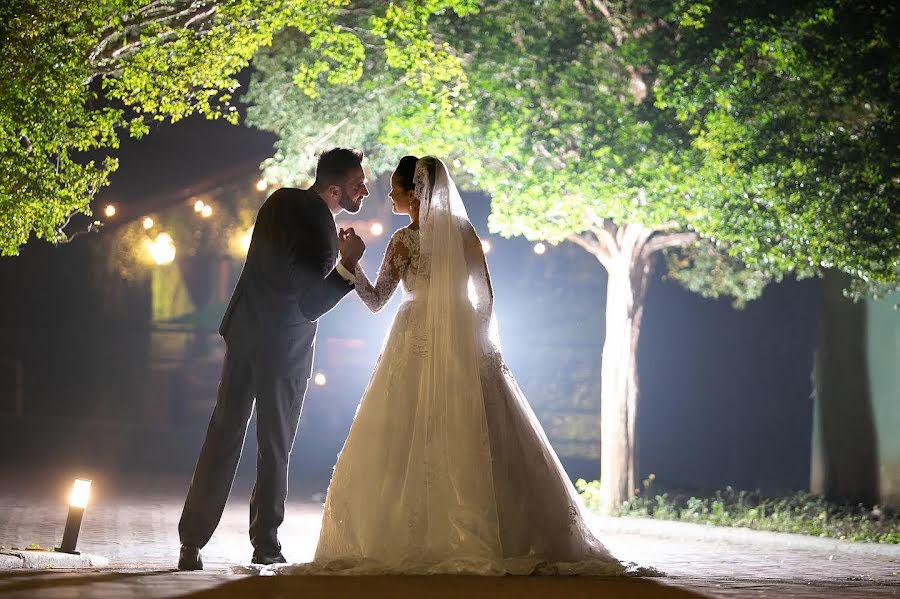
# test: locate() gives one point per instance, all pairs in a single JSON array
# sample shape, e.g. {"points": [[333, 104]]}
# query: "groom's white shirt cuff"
{"points": [[346, 274]]}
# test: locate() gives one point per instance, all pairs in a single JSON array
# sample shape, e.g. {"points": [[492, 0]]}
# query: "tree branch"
{"points": [[594, 245], [605, 230], [614, 24], [66, 238], [659, 242], [183, 15]]}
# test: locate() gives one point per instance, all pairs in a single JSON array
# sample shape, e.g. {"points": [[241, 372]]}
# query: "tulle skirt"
{"points": [[462, 481]]}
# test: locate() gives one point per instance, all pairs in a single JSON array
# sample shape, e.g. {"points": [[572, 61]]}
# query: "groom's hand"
{"points": [[351, 247]]}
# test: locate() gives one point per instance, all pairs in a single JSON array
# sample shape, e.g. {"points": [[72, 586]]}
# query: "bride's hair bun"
{"points": [[406, 172]]}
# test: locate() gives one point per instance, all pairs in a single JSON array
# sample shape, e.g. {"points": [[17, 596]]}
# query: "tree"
{"points": [[797, 105], [603, 124], [77, 73], [794, 106], [780, 195]]}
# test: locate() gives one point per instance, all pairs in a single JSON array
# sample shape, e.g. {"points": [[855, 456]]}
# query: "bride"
{"points": [[446, 469]]}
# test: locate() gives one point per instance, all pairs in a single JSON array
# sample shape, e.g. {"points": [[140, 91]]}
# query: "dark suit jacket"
{"points": [[287, 283]]}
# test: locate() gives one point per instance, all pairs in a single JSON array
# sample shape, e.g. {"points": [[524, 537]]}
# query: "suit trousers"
{"points": [[278, 400]]}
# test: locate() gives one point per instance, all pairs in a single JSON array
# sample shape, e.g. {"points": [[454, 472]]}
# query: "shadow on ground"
{"points": [[439, 587], [45, 581]]}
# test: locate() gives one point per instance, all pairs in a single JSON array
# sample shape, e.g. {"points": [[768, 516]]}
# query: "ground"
{"points": [[132, 520]]}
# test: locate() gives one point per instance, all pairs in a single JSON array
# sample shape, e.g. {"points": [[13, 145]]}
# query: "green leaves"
{"points": [[403, 69], [797, 120], [768, 128], [765, 128], [78, 73]]}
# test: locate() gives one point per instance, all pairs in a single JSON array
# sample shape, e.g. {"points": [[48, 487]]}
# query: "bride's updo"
{"points": [[406, 173]]}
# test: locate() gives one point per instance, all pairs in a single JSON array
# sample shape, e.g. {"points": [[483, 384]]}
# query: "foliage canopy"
{"points": [[768, 129], [77, 73]]}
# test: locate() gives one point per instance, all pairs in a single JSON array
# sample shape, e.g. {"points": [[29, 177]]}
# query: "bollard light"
{"points": [[78, 499]]}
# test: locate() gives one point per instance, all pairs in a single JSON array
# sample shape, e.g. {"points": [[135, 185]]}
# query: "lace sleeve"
{"points": [[394, 264]]}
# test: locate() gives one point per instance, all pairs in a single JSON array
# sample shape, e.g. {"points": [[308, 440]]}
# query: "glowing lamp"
{"points": [[261, 185], [198, 206], [78, 500], [207, 211], [320, 379], [539, 248], [109, 211], [148, 222], [376, 229], [485, 246], [162, 249]]}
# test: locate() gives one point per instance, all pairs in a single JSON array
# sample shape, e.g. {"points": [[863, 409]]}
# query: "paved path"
{"points": [[134, 524]]}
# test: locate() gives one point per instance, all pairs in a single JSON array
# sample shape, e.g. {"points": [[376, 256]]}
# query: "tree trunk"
{"points": [[629, 269], [626, 252], [845, 462]]}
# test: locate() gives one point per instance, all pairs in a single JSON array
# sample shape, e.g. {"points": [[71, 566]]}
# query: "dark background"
{"points": [[725, 393]]}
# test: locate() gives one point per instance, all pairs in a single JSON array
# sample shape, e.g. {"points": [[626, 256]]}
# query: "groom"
{"points": [[289, 280]]}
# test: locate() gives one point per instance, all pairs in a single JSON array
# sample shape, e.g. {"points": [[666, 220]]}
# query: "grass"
{"points": [[800, 513]]}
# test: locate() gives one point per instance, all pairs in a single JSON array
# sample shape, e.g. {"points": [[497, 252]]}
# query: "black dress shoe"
{"points": [[267, 559], [189, 558]]}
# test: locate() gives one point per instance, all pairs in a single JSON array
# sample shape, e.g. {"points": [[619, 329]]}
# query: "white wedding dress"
{"points": [[446, 469]]}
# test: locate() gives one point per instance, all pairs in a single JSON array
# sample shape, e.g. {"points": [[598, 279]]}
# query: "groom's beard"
{"points": [[348, 204]]}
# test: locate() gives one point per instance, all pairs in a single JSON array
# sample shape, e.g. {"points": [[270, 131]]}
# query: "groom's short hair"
{"points": [[334, 164]]}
